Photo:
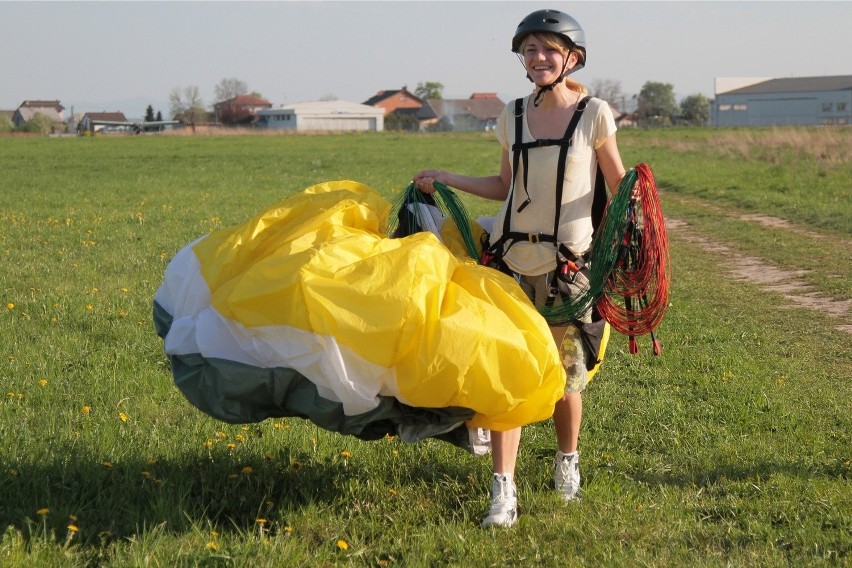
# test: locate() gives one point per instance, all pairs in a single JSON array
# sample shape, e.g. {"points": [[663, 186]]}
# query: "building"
{"points": [[479, 112], [790, 101], [395, 100], [322, 116], [28, 109], [99, 121], [240, 110]]}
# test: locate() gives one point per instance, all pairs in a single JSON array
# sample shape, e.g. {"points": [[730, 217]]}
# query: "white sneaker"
{"points": [[566, 475], [504, 502]]}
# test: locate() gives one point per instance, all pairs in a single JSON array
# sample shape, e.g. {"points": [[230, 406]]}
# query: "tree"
{"points": [[429, 90], [186, 105], [40, 123], [230, 88], [657, 104], [608, 90], [159, 116], [149, 114], [695, 109], [6, 124]]}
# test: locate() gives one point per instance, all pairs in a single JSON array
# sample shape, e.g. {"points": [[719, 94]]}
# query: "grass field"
{"points": [[732, 449]]}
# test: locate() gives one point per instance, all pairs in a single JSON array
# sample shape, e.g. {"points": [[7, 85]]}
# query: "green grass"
{"points": [[730, 449]]}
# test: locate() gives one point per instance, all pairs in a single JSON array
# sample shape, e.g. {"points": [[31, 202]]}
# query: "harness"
{"points": [[568, 264]]}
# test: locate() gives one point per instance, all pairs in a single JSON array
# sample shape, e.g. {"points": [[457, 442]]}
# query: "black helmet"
{"points": [[555, 22]]}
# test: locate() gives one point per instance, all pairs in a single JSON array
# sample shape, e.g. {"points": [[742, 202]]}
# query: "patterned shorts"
{"points": [[567, 338]]}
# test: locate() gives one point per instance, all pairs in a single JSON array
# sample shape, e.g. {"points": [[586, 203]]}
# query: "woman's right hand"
{"points": [[424, 181]]}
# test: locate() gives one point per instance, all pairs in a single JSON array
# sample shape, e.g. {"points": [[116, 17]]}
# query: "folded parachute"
{"points": [[310, 310]]}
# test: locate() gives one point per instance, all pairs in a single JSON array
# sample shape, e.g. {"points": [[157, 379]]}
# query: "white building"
{"points": [[335, 116]]}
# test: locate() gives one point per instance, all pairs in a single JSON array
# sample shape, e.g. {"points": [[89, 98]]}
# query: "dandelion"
{"points": [[122, 314], [392, 492], [43, 512], [231, 445], [213, 545], [42, 383], [90, 307], [86, 409], [261, 521], [123, 416], [73, 528], [214, 534], [342, 544], [107, 464], [125, 290], [232, 477], [240, 438], [288, 530], [10, 306], [72, 518], [345, 454], [247, 470]]}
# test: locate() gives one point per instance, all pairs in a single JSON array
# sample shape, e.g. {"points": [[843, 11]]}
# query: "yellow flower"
{"points": [[43, 383], [86, 409], [288, 530], [342, 545], [345, 454], [90, 307], [72, 518], [125, 290], [214, 534], [231, 445], [73, 528], [43, 511], [261, 521], [212, 545], [122, 416], [10, 306], [107, 464], [247, 469]]}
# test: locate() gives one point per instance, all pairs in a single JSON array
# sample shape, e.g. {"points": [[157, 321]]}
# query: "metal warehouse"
{"points": [[790, 101], [322, 116]]}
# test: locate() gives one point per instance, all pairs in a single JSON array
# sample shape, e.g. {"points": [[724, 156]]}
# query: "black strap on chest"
{"points": [[520, 154]]}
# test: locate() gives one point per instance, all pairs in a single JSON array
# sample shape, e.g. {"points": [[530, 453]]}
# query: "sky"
{"points": [[123, 56]]}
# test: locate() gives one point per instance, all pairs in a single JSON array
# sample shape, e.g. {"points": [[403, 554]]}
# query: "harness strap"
{"points": [[520, 153]]}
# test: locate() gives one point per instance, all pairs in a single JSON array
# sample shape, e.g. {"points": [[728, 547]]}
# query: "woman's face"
{"points": [[545, 64]]}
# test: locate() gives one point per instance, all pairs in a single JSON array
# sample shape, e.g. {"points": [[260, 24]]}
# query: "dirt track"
{"points": [[768, 277]]}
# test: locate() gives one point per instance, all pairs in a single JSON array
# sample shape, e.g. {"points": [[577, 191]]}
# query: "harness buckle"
{"points": [[534, 237]]}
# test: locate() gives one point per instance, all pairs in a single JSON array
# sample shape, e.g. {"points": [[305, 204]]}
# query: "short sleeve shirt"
{"points": [[575, 217]]}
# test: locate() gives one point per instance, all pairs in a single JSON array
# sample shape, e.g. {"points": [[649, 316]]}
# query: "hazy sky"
{"points": [[125, 55]]}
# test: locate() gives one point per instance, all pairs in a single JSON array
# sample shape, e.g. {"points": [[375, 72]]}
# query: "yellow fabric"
{"points": [[601, 351], [456, 333]]}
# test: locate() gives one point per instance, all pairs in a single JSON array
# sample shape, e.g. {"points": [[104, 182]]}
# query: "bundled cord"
{"points": [[639, 247], [418, 211]]}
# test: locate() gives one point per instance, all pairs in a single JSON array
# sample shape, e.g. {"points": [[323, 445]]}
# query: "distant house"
{"points": [[790, 101], [240, 110], [28, 109], [479, 112], [98, 121], [393, 101], [319, 116]]}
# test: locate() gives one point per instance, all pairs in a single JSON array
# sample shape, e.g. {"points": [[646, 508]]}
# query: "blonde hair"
{"points": [[556, 41]]}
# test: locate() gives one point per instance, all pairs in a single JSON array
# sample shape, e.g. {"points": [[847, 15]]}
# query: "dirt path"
{"points": [[767, 276]]}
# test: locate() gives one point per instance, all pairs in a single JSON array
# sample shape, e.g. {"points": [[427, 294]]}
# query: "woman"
{"points": [[535, 239]]}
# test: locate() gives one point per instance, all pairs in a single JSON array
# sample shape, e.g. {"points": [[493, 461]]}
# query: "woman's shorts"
{"points": [[568, 338]]}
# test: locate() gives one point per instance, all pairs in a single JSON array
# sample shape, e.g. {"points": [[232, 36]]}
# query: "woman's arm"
{"points": [[610, 162], [490, 187]]}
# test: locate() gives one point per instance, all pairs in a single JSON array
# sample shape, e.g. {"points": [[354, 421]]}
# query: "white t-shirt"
{"points": [[575, 223]]}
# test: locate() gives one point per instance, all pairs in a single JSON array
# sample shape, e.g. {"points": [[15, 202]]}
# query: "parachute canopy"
{"points": [[309, 309]]}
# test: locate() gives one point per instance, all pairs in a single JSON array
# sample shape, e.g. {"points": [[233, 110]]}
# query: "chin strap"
{"points": [[544, 89]]}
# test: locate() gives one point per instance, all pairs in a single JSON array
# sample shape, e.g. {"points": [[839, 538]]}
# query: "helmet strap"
{"points": [[542, 90]]}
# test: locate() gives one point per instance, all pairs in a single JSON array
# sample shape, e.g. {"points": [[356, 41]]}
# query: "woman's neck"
{"points": [[561, 97]]}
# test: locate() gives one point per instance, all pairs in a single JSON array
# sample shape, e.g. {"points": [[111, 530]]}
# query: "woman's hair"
{"points": [[556, 41]]}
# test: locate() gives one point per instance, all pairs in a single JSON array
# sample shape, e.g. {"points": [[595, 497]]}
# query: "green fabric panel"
{"points": [[238, 393]]}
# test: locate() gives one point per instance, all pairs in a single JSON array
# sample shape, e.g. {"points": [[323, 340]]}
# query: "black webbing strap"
{"points": [[520, 154]]}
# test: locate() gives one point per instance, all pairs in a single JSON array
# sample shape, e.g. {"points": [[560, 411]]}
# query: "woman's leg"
{"points": [[504, 496], [567, 417], [504, 450]]}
